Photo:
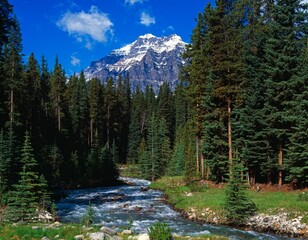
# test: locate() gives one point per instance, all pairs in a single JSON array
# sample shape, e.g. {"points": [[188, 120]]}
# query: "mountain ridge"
{"points": [[149, 60]]}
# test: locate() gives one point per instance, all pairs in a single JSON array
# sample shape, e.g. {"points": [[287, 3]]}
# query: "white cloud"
{"points": [[94, 24], [146, 19], [75, 61], [132, 2]]}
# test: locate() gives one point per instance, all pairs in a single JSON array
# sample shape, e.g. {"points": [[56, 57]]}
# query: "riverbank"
{"points": [[279, 212], [56, 230]]}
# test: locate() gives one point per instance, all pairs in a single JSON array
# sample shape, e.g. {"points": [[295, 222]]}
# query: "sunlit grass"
{"points": [[38, 231], [212, 198]]}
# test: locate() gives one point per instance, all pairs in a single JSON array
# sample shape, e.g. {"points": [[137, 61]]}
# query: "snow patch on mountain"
{"points": [[148, 60]]}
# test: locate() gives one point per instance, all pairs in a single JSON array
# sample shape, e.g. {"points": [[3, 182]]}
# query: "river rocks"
{"points": [[97, 236], [79, 237], [45, 216], [127, 232], [279, 224], [108, 231]]}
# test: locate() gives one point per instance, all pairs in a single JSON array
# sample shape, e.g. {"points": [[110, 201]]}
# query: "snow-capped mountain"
{"points": [[149, 60]]}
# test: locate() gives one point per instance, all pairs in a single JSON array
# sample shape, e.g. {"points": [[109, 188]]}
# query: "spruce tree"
{"points": [[56, 94], [25, 196], [95, 96], [12, 67], [6, 10], [283, 48], [238, 207], [136, 125], [297, 153]]}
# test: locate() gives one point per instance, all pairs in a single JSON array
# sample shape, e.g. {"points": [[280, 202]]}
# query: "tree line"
{"points": [[242, 99], [247, 80]]}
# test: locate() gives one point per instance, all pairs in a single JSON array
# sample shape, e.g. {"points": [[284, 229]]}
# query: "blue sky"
{"points": [[81, 31]]}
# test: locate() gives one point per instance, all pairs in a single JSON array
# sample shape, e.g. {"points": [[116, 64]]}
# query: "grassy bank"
{"points": [[38, 231], [204, 196], [65, 231]]}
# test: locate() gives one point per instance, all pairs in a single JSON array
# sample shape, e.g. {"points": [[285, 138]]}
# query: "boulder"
{"points": [[143, 236], [108, 231], [79, 237], [127, 232], [97, 236]]}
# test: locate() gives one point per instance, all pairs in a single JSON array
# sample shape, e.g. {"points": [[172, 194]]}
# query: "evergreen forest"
{"points": [[243, 97]]}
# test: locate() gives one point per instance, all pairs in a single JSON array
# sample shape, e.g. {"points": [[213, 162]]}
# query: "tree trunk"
{"points": [[59, 112], [280, 166], [91, 131], [197, 155], [152, 162], [202, 166], [208, 172], [11, 107], [229, 137], [108, 126], [252, 178]]}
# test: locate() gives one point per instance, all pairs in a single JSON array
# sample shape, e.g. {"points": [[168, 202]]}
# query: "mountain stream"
{"points": [[119, 206]]}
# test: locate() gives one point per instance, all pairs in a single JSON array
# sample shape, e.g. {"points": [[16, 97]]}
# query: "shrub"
{"points": [[87, 219], [238, 207], [160, 231]]}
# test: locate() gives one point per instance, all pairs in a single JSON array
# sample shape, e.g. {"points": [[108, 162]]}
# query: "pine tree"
{"points": [[6, 10], [57, 93], [238, 207], [24, 198], [250, 126], [297, 155], [196, 72], [4, 166], [110, 103], [165, 108], [283, 50], [110, 171], [95, 96], [123, 116], [136, 125], [13, 68]]}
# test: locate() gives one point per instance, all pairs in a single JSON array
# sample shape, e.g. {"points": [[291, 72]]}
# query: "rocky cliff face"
{"points": [[149, 60]]}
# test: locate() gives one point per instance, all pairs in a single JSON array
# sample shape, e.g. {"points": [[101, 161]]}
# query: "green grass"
{"points": [[27, 232], [65, 231], [129, 170], [212, 198]]}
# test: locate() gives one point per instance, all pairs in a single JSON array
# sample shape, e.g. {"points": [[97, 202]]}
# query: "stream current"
{"points": [[135, 204]]}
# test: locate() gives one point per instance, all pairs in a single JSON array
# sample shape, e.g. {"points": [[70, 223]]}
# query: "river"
{"points": [[118, 206]]}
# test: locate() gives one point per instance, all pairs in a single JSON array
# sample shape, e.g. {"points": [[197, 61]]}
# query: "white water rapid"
{"points": [[118, 206]]}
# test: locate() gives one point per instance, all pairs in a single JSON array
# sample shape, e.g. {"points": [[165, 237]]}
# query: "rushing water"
{"points": [[118, 206]]}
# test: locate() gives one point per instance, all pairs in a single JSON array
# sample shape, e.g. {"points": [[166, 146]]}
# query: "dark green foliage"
{"points": [[6, 10], [22, 202], [101, 165], [4, 166], [160, 231], [238, 207], [29, 193], [156, 153]]}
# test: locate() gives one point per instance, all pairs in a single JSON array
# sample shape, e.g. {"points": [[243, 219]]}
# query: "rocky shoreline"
{"points": [[280, 224]]}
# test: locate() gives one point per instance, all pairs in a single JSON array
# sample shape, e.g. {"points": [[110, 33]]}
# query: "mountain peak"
{"points": [[147, 35], [149, 60]]}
